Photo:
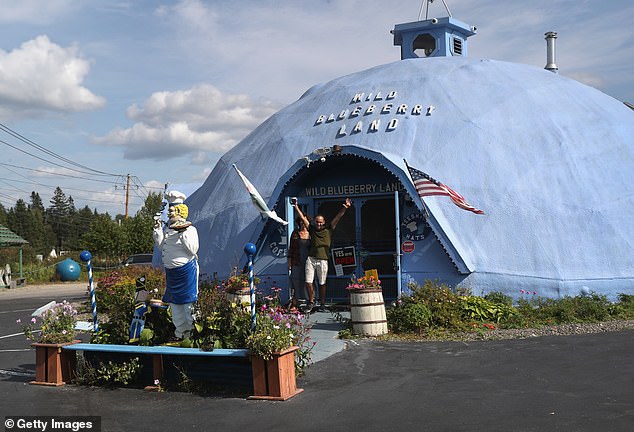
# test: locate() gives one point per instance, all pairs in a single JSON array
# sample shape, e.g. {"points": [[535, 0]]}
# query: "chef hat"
{"points": [[175, 197]]}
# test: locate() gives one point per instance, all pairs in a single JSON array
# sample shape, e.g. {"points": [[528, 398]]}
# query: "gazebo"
{"points": [[10, 239]]}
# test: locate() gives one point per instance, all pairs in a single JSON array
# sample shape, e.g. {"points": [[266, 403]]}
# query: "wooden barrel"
{"points": [[367, 312], [240, 296]]}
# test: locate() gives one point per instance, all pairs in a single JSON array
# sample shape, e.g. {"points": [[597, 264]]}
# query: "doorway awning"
{"points": [[391, 162]]}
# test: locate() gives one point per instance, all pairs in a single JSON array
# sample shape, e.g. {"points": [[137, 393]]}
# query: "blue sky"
{"points": [[161, 89]]}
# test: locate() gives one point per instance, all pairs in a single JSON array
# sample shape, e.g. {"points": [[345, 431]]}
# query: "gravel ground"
{"points": [[554, 330]]}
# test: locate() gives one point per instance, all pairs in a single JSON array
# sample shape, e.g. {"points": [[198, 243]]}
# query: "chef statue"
{"points": [[178, 243]]}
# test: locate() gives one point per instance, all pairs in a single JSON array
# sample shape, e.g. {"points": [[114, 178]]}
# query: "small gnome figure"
{"points": [[178, 243]]}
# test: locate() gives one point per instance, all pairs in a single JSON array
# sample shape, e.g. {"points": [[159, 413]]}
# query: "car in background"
{"points": [[138, 260]]}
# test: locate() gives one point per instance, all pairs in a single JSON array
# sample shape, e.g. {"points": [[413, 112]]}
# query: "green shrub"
{"points": [[442, 302], [115, 293], [624, 308], [499, 297], [406, 315], [108, 374], [481, 309]]}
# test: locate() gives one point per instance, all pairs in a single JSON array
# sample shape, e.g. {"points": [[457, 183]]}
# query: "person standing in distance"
{"points": [[317, 261]]}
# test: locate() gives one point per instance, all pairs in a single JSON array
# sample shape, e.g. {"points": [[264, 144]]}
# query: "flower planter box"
{"points": [[53, 365], [274, 379], [226, 368], [367, 312]]}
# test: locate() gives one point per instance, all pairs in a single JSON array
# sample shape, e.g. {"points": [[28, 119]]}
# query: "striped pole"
{"points": [[250, 250], [86, 256]]}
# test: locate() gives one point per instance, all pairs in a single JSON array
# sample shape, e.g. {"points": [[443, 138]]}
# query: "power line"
{"points": [[55, 174], [48, 152]]}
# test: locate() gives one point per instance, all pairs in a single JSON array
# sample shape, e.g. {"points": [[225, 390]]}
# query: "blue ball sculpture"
{"points": [[85, 256], [68, 270], [250, 249]]}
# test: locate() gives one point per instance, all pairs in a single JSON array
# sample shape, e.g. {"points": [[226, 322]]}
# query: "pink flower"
{"points": [[18, 321]]}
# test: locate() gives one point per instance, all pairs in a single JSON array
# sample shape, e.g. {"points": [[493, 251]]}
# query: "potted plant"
{"points": [[367, 307], [238, 288], [53, 366], [273, 345], [239, 282]]}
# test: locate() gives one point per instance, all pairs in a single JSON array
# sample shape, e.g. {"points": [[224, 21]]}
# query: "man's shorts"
{"points": [[316, 267]]}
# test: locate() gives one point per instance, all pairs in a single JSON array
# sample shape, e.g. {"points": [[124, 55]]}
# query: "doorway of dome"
{"points": [[364, 239]]}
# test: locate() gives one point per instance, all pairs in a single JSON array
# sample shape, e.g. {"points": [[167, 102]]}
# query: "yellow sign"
{"points": [[372, 273]]}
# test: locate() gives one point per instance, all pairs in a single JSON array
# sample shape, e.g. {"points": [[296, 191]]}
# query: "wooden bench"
{"points": [[226, 365]]}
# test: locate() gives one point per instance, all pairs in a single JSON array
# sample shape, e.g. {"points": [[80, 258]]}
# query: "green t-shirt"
{"points": [[320, 242]]}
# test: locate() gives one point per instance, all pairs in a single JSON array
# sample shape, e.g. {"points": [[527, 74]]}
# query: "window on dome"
{"points": [[424, 45]]}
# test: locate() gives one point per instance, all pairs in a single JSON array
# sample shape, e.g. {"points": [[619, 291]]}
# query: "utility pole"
{"points": [[127, 196]]}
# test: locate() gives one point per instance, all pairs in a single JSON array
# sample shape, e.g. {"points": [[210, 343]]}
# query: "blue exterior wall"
{"points": [[548, 159]]}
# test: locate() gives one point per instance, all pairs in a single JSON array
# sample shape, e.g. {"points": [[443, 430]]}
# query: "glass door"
{"points": [[369, 227]]}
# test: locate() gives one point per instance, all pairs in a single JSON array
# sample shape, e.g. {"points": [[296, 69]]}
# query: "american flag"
{"points": [[428, 186]]}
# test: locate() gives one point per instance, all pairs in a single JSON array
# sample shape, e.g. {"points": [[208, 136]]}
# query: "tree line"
{"points": [[62, 227]]}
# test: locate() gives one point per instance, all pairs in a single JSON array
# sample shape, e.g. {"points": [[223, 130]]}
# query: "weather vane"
{"points": [[425, 3]]}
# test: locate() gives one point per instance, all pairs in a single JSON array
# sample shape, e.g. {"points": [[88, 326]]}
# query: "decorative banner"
{"points": [[414, 227], [344, 256], [408, 246]]}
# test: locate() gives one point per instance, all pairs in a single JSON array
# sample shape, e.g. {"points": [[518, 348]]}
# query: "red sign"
{"points": [[408, 246]]}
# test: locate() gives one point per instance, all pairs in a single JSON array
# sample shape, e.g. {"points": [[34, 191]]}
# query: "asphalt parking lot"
{"points": [[552, 383]]}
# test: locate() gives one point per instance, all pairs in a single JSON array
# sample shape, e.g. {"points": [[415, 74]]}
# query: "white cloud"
{"points": [[41, 76], [189, 122]]}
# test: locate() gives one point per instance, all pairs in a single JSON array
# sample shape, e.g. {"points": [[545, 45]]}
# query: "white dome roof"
{"points": [[548, 159]]}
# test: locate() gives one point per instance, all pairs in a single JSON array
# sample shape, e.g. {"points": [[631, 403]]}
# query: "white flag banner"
{"points": [[257, 200]]}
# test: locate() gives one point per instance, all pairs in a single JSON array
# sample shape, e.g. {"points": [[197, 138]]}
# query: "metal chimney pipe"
{"points": [[550, 52]]}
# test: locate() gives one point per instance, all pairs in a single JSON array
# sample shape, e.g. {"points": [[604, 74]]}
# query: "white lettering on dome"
{"points": [[374, 126], [374, 112]]}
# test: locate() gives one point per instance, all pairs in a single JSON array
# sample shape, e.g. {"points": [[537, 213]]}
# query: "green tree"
{"points": [[59, 216], [138, 229], [3, 216], [18, 219], [105, 238], [40, 235]]}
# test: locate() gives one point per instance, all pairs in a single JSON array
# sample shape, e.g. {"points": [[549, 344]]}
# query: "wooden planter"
{"points": [[53, 366], [274, 379], [367, 312], [241, 296]]}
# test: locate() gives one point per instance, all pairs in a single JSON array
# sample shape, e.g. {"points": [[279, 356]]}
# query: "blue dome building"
{"points": [[548, 159]]}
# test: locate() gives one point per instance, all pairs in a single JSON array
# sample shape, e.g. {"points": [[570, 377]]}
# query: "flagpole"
{"points": [[425, 210]]}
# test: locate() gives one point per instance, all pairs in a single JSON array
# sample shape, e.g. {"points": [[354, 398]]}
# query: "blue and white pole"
{"points": [[86, 256], [250, 250]]}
